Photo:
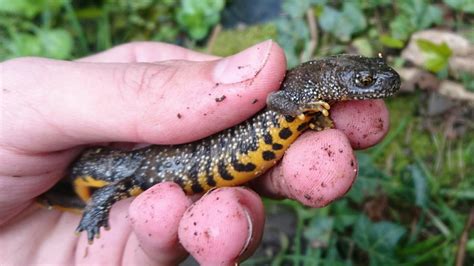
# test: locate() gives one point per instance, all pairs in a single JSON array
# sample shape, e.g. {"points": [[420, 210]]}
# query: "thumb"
{"points": [[52, 105]]}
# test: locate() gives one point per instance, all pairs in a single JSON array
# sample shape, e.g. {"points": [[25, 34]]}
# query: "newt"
{"points": [[101, 176]]}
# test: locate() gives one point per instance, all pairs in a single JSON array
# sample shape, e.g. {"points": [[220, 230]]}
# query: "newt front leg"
{"points": [[96, 213]]}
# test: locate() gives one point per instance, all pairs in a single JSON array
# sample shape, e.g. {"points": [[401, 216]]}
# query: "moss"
{"points": [[232, 41], [448, 165]]}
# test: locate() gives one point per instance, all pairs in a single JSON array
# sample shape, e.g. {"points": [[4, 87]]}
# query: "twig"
{"points": [[461, 254], [212, 40], [313, 33]]}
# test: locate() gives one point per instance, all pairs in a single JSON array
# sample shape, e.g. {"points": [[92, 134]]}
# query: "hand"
{"points": [[163, 94]]}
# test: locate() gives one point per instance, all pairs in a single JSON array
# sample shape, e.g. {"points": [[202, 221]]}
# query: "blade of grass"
{"points": [[304, 259], [296, 257], [71, 15], [432, 182], [421, 246], [256, 261], [438, 223], [46, 18], [430, 255], [378, 150], [417, 228], [451, 217], [103, 33], [458, 194], [279, 258]]}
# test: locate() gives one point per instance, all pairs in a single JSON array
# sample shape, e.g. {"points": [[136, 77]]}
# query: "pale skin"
{"points": [[133, 93]]}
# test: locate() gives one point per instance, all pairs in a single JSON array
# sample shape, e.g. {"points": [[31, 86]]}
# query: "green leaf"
{"points": [[421, 246], [344, 215], [363, 46], [415, 15], [368, 181], [376, 3], [431, 47], [329, 18], [28, 8], [428, 16], [23, 44], [466, 6], [468, 82], [197, 16], [293, 32], [48, 43], [296, 9], [318, 2], [470, 246], [420, 185], [354, 17], [345, 23], [89, 13], [319, 231], [56, 43], [437, 55], [391, 41], [379, 240], [401, 27]]}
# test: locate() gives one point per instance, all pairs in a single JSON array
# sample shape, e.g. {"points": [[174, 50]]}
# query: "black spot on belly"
{"points": [[268, 138], [268, 155], [223, 172], [277, 146], [210, 181], [240, 167], [289, 118], [197, 188], [179, 181], [303, 126], [285, 133]]}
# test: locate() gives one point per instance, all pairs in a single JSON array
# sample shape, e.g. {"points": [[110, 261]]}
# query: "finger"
{"points": [[20, 184], [146, 52], [223, 227], [155, 216], [365, 123], [317, 169], [38, 236], [64, 104]]}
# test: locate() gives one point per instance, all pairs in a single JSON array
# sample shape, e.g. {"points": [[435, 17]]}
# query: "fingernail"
{"points": [[244, 65], [249, 233]]}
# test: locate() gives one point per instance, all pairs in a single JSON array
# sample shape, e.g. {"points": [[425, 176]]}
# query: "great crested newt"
{"points": [[101, 176]]}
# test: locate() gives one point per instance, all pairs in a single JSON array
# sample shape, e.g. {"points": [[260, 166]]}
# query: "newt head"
{"points": [[334, 78], [365, 78]]}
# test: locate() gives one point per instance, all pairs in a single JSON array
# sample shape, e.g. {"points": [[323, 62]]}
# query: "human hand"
{"points": [[50, 109]]}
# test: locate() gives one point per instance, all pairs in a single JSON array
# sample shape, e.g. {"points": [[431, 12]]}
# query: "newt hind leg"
{"points": [[62, 197], [96, 213]]}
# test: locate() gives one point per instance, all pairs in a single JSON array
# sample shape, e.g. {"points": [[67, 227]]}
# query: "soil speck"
{"points": [[220, 99]]}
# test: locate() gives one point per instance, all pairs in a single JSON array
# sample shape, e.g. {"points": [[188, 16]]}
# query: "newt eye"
{"points": [[364, 80]]}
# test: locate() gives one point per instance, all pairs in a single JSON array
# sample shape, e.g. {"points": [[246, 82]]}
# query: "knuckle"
{"points": [[133, 79], [144, 80]]}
